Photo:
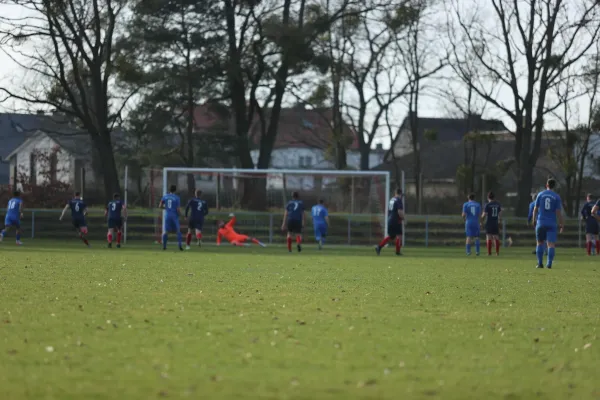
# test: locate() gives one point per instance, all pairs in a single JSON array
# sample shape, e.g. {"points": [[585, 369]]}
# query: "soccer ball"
{"points": [[509, 241]]}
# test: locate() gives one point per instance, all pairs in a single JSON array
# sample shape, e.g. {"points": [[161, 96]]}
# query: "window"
{"points": [[307, 124], [305, 161], [32, 169]]}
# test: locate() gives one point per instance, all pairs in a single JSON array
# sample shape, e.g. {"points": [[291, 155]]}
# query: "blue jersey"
{"points": [[114, 209], [547, 204], [530, 215], [13, 209], [492, 212], [394, 206], [295, 209], [319, 212], [171, 202], [77, 207], [472, 210], [198, 207]]}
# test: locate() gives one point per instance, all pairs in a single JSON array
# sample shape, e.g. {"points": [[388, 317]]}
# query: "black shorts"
{"points": [[394, 229], [591, 227], [195, 224], [115, 223], [492, 229], [294, 226], [79, 223]]}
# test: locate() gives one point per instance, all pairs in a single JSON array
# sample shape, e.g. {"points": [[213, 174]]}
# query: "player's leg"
{"points": [[7, 225], [588, 243], [597, 242], [289, 240], [323, 233], [179, 235], [119, 229], [477, 233], [199, 235], [318, 236], [497, 239], [111, 232], [468, 240], [83, 231], [188, 237], [540, 236], [169, 227], [298, 232], [399, 239], [391, 235], [488, 242], [551, 237], [18, 233]]}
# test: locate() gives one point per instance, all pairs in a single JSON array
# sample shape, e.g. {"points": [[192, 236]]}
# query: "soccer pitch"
{"points": [[231, 323]]}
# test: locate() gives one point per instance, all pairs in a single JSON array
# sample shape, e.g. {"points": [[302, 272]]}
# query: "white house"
{"points": [[49, 157]]}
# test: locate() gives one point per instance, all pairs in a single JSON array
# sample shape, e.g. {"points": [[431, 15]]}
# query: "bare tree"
{"points": [[68, 46], [420, 60], [524, 47]]}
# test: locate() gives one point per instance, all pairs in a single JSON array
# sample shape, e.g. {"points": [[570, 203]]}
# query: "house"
{"points": [[47, 156], [14, 130], [439, 130], [304, 141]]}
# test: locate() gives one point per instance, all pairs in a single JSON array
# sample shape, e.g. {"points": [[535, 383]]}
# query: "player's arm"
{"points": [[63, 212], [595, 211], [303, 218], [530, 215], [464, 213], [327, 217], [124, 209], [84, 210], [21, 209], [187, 209], [561, 221], [106, 210], [534, 214], [232, 221]]}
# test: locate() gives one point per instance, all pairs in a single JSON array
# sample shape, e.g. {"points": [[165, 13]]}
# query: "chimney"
{"points": [[379, 147]]}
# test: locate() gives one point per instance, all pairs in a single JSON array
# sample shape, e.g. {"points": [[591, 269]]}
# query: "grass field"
{"points": [[231, 323]]}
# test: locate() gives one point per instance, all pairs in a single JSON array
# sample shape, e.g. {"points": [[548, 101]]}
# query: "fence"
{"points": [[345, 229]]}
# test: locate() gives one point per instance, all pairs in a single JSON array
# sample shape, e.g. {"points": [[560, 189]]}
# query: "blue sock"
{"points": [[539, 252], [18, 237], [551, 251], [179, 238], [468, 248], [477, 246], [164, 240]]}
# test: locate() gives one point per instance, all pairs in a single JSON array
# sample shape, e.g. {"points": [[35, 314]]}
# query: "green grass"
{"points": [[231, 323]]}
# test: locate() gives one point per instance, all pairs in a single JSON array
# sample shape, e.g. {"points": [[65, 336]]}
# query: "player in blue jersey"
{"points": [[78, 213], [116, 213], [14, 213], [199, 209], [591, 227], [293, 221], [320, 218], [471, 213], [394, 223], [492, 213], [171, 203], [549, 222]]}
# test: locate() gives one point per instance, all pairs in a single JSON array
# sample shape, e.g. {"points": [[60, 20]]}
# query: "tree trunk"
{"points": [[524, 183], [108, 165]]}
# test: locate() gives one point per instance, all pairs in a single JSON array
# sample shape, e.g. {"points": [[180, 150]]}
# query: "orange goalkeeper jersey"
{"points": [[227, 232]]}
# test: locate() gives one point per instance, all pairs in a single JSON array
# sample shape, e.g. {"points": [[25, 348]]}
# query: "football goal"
{"points": [[358, 199]]}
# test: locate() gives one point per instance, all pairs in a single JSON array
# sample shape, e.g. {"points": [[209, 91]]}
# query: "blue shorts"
{"points": [[472, 230], [172, 224], [196, 224], [11, 221], [546, 233], [320, 231], [115, 223], [79, 223], [394, 229]]}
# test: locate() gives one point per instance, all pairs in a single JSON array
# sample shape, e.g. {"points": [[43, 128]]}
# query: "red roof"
{"points": [[297, 127]]}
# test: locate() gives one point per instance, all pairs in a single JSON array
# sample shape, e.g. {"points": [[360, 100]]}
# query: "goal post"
{"points": [[346, 192]]}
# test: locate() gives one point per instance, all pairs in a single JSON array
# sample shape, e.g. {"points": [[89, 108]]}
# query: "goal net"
{"points": [[356, 200]]}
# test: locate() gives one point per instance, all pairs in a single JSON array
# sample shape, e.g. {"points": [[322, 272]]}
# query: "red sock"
{"points": [[188, 239], [588, 248], [109, 238], [119, 237], [84, 240], [298, 239], [398, 245], [255, 241], [597, 247], [497, 246], [199, 236], [488, 243], [289, 242], [384, 241]]}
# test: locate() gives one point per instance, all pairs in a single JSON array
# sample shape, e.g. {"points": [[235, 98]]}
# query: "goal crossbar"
{"points": [[235, 171]]}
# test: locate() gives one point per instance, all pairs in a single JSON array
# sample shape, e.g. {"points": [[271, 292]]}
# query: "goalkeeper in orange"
{"points": [[226, 231]]}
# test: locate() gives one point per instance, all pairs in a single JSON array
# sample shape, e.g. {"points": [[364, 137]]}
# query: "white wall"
{"points": [[591, 166], [65, 166]]}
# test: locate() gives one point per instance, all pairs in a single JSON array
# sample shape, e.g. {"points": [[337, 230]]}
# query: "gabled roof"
{"points": [[297, 127], [77, 144], [16, 128]]}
